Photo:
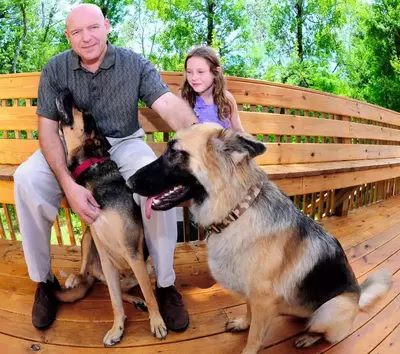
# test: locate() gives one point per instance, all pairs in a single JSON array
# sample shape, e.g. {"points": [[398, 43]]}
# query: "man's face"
{"points": [[87, 33]]}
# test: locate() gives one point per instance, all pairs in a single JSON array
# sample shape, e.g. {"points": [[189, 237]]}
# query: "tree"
{"points": [[305, 40], [374, 62], [182, 24]]}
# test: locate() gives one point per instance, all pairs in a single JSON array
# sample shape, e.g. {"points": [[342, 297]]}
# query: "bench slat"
{"points": [[24, 118], [253, 92], [14, 151], [291, 186], [257, 92]]}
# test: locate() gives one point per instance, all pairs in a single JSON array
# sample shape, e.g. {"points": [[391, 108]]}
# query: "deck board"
{"points": [[370, 237]]}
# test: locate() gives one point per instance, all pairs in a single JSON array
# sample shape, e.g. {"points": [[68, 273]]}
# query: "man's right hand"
{"points": [[82, 202]]}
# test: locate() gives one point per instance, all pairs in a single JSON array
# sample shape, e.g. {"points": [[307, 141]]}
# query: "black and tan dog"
{"points": [[260, 245], [112, 247]]}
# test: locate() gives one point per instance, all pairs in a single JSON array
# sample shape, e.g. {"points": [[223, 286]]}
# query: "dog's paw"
{"points": [[238, 324], [158, 327], [140, 304], [113, 336], [307, 340], [73, 281]]}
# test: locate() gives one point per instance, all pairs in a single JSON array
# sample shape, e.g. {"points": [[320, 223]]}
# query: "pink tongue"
{"points": [[149, 201]]}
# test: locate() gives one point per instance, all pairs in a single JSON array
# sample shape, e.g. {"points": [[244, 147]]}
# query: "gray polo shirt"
{"points": [[111, 94]]}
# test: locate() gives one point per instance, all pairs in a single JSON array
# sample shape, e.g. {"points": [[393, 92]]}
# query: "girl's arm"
{"points": [[236, 124]]}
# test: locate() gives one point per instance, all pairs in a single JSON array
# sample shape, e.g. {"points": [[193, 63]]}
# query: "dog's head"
{"points": [[197, 164], [78, 127]]}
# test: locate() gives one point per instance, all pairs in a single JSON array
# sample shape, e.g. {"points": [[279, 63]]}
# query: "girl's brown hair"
{"points": [[223, 103]]}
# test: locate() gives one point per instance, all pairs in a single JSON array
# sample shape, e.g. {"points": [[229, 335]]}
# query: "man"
{"points": [[107, 81]]}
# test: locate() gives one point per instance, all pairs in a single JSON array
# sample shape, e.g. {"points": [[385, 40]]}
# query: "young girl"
{"points": [[205, 89]]}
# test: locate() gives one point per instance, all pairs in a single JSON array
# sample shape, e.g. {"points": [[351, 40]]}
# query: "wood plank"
{"points": [[18, 118], [361, 320], [294, 186], [7, 172], [224, 343], [323, 168], [287, 153], [343, 180], [19, 85], [376, 330], [254, 92], [362, 249], [9, 222], [264, 93], [90, 334], [269, 123], [390, 345], [14, 151]]}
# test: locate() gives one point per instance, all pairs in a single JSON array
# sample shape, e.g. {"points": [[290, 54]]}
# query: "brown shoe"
{"points": [[45, 306], [172, 308]]}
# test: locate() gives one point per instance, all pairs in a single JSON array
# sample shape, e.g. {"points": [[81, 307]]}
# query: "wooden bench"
{"points": [[329, 154]]}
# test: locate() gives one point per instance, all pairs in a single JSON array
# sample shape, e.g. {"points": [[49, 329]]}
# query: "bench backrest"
{"points": [[301, 125]]}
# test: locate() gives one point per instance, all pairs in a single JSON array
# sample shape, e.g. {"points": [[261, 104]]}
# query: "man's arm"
{"points": [[175, 111], [53, 151]]}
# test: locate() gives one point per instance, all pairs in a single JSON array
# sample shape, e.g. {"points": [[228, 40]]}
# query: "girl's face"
{"points": [[198, 74]]}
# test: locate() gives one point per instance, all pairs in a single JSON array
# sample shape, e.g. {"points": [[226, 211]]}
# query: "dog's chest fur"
{"points": [[227, 263]]}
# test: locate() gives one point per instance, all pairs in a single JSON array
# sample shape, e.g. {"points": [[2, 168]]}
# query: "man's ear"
{"points": [[239, 146]]}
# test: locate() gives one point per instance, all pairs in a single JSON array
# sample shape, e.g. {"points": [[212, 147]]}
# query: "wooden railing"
{"points": [[303, 128]]}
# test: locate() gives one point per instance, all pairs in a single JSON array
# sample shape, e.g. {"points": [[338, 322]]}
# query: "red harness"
{"points": [[86, 164]]}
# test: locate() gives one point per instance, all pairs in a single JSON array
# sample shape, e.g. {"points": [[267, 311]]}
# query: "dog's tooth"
{"points": [[156, 201]]}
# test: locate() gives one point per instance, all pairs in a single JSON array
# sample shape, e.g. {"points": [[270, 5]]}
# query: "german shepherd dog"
{"points": [[260, 245], [112, 247]]}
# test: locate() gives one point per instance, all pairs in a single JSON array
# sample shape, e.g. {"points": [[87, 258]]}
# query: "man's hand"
{"points": [[82, 202]]}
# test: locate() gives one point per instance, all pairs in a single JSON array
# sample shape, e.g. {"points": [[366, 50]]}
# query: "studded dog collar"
{"points": [[236, 212]]}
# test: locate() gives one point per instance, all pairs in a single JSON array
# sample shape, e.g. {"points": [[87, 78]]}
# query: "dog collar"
{"points": [[236, 212], [85, 165]]}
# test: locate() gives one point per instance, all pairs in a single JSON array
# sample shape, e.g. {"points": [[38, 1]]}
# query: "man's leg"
{"points": [[37, 199], [160, 233]]}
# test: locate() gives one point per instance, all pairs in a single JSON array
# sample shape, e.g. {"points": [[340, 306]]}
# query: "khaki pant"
{"points": [[38, 196]]}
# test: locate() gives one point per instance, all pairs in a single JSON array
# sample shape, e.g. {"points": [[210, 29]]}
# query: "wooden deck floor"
{"points": [[370, 236]]}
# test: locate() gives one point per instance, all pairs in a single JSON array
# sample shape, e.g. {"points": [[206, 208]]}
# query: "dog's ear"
{"points": [[64, 103], [239, 145]]}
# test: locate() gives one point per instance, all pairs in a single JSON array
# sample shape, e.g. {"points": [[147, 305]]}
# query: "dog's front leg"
{"points": [[263, 310], [112, 277], [111, 274], [157, 325], [74, 280], [241, 323]]}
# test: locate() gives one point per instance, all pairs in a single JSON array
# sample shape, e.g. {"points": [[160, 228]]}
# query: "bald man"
{"points": [[107, 81]]}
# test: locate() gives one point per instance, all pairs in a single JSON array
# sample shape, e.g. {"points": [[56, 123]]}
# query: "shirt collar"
{"points": [[108, 61]]}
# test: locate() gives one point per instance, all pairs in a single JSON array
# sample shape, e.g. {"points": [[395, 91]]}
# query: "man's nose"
{"points": [[86, 36]]}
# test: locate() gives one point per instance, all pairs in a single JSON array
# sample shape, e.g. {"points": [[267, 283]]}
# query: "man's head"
{"points": [[86, 30]]}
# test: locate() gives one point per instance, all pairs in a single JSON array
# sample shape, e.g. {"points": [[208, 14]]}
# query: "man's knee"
{"points": [[23, 174]]}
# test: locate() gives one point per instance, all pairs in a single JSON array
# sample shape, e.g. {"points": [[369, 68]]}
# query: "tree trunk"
{"points": [[299, 32], [210, 20], [21, 40]]}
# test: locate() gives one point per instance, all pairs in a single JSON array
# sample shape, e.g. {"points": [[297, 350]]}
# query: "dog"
{"points": [[259, 244], [112, 247]]}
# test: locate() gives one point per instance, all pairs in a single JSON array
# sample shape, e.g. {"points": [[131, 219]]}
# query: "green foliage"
{"points": [[346, 47], [373, 65]]}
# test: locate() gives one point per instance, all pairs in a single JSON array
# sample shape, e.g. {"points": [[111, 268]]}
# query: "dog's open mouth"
{"points": [[167, 199]]}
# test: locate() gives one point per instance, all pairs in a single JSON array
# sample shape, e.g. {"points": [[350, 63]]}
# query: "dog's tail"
{"points": [[375, 286], [77, 293]]}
